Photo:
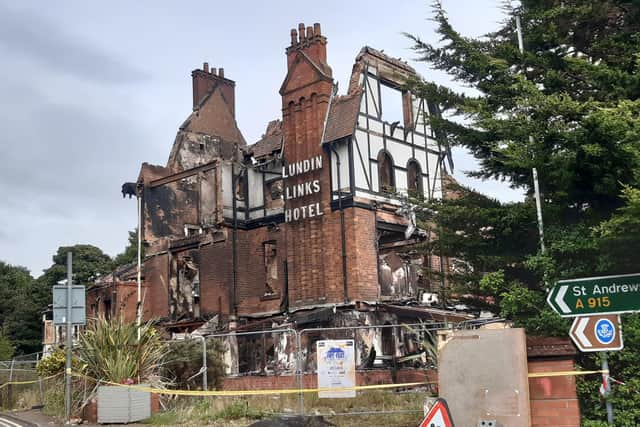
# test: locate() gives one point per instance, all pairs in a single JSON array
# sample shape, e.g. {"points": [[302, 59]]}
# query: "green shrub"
{"points": [[54, 404], [184, 361], [238, 409], [109, 350], [52, 364]]}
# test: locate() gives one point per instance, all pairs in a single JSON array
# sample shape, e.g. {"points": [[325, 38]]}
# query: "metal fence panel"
{"points": [[384, 354]]}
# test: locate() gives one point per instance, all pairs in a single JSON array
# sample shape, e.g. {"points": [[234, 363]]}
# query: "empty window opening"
{"points": [[271, 267], [388, 341], [386, 177], [241, 186], [414, 179], [274, 195], [191, 230], [107, 309], [391, 104], [184, 287]]}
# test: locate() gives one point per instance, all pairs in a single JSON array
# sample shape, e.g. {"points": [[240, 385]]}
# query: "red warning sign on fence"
{"points": [[438, 415]]}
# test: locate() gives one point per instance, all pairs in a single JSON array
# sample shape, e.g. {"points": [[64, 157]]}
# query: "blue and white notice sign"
{"points": [[605, 331], [336, 368]]}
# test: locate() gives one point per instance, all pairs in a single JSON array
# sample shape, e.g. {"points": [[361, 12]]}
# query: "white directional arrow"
{"points": [[559, 299], [584, 333], [580, 336]]}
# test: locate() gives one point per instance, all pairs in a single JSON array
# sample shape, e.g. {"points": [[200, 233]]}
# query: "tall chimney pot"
{"points": [[205, 79], [310, 41]]}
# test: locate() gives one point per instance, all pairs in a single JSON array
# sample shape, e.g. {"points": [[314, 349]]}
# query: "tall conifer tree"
{"points": [[568, 106]]}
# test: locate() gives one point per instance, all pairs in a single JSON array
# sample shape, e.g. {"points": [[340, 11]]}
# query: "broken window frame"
{"points": [[386, 178], [242, 186], [270, 262], [274, 196], [415, 187], [392, 100]]}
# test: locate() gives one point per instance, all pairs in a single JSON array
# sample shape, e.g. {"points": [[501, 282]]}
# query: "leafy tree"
{"points": [[19, 317], [569, 106], [493, 251], [619, 234], [88, 263], [130, 253], [6, 348], [23, 299]]}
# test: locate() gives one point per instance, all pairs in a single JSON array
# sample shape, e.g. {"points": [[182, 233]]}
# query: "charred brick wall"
{"points": [[362, 260], [216, 276], [118, 299], [157, 276], [255, 292]]}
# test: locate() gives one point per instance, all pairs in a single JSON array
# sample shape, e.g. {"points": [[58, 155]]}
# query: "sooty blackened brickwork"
{"points": [[307, 218]]}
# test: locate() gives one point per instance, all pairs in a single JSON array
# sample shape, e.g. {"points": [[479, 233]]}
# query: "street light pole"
{"points": [[67, 399], [139, 278], [536, 186]]}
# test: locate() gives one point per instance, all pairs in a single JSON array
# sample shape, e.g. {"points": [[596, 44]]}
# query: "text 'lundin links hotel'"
{"points": [[305, 225]]}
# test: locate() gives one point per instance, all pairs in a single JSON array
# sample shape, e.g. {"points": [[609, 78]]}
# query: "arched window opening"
{"points": [[414, 179], [386, 177]]}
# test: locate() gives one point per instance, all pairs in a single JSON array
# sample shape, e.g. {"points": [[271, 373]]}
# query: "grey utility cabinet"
{"points": [[122, 404]]}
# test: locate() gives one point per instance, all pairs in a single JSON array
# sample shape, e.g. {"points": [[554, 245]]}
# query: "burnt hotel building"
{"points": [[302, 227]]}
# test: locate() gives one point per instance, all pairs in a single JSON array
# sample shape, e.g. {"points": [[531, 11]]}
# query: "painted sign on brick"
{"points": [[300, 190]]}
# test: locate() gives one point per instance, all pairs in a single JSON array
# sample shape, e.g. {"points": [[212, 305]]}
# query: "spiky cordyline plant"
{"points": [[109, 350]]}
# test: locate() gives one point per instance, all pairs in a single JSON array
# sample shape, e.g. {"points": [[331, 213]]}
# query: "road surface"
{"points": [[6, 421]]}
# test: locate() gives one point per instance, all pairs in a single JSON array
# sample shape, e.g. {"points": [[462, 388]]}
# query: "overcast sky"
{"points": [[90, 90]]}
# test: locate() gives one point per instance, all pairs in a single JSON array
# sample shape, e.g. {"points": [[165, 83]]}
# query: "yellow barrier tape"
{"points": [[250, 392], [28, 382], [565, 373], [305, 390]]}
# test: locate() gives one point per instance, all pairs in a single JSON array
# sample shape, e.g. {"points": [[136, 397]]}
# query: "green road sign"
{"points": [[596, 295]]}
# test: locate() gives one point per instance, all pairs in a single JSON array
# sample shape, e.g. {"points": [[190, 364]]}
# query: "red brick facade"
{"points": [[554, 401]]}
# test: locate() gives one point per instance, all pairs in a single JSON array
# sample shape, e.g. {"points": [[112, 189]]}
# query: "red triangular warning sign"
{"points": [[438, 415]]}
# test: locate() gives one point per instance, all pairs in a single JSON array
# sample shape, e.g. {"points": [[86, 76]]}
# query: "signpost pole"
{"points": [[607, 385], [69, 339], [139, 269]]}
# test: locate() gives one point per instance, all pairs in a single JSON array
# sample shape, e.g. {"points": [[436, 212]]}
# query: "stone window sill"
{"points": [[269, 297]]}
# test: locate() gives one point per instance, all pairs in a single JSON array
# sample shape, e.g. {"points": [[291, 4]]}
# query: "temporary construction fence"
{"points": [[404, 355], [269, 372], [19, 382], [275, 371]]}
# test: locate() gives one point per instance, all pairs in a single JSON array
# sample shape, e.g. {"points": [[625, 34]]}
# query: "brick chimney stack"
{"points": [[310, 41], [204, 80]]}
